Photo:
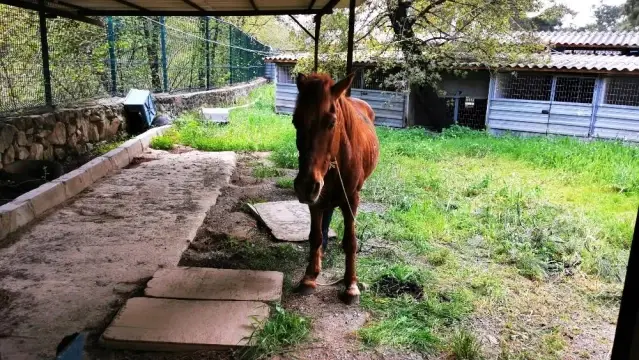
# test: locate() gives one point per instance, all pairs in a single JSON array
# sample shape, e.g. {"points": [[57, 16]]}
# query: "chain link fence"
{"points": [[162, 54]]}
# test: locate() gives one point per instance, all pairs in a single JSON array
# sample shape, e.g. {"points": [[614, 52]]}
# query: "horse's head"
{"points": [[316, 120]]}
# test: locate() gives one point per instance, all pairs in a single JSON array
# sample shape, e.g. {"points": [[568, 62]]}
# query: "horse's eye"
{"points": [[331, 118]]}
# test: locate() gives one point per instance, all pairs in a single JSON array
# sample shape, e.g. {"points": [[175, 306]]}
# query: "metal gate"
{"points": [[543, 104]]}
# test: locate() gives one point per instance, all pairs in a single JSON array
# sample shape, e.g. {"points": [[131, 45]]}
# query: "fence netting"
{"points": [[162, 54]]}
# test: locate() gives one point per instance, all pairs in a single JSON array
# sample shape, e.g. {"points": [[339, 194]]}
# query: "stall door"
{"points": [[570, 110]]}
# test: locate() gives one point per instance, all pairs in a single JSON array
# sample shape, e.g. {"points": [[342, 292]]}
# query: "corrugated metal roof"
{"points": [[582, 62], [555, 61], [359, 57], [591, 38]]}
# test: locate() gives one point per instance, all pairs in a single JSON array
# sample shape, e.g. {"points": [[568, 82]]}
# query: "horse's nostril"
{"points": [[316, 187]]}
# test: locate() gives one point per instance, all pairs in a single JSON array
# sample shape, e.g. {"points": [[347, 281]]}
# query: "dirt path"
{"points": [[231, 238], [73, 268]]}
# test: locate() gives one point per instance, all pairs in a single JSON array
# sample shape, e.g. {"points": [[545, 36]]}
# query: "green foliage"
{"points": [[631, 9], [80, 62], [262, 171], [551, 18], [466, 346], [250, 129], [283, 330], [284, 183], [429, 37]]}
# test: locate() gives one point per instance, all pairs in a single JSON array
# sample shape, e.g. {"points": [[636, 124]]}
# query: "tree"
{"points": [[631, 9], [551, 18], [416, 40], [608, 18]]}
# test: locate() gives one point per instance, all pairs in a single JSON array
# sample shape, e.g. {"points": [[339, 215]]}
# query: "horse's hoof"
{"points": [[350, 295], [304, 289]]}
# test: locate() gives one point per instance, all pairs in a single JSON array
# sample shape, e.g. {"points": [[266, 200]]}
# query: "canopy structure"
{"points": [[84, 8]]}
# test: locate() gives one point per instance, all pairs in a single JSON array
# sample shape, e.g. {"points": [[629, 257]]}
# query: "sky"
{"points": [[584, 9]]}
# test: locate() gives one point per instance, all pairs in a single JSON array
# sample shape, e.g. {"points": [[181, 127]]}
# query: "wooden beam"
{"points": [[328, 8], [626, 343], [193, 5], [130, 4], [214, 13], [54, 11], [351, 41], [318, 24], [302, 26], [253, 5], [69, 5]]}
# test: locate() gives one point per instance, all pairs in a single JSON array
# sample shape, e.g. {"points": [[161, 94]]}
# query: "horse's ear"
{"points": [[301, 78], [340, 88]]}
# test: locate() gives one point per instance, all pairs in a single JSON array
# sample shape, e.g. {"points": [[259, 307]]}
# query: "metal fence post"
{"points": [[596, 100], [456, 111], [44, 47], [165, 75], [230, 54], [112, 58], [207, 47]]}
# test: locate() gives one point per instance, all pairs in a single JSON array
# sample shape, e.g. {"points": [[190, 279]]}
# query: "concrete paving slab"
{"points": [[287, 220], [216, 284], [69, 269], [182, 325]]}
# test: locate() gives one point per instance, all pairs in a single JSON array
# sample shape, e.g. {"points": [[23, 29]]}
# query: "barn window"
{"points": [[521, 86], [574, 89], [622, 91]]}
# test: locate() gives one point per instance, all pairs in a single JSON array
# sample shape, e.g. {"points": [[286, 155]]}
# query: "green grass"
{"points": [[262, 171], [465, 346], [284, 183], [477, 220], [281, 331], [165, 141], [256, 128]]}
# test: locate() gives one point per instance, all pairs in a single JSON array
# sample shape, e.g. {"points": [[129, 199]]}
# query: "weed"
{"points": [[554, 342], [439, 257], [465, 346], [262, 171], [105, 147], [284, 183], [165, 141], [281, 331]]}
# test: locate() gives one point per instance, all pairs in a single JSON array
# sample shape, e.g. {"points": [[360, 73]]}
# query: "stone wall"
{"points": [[174, 104], [73, 131]]}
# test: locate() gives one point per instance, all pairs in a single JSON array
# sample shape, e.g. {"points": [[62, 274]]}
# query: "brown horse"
{"points": [[338, 151]]}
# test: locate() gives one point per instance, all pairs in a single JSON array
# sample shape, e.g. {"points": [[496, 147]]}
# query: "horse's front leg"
{"points": [[349, 243], [308, 284]]}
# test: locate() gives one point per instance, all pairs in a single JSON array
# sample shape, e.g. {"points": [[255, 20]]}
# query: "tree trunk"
{"points": [[152, 40]]}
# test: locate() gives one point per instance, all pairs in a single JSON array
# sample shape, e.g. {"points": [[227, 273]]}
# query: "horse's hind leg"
{"points": [[326, 223], [308, 284], [351, 293]]}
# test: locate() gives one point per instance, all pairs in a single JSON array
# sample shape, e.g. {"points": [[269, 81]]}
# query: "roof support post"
{"points": [[44, 47], [207, 51], [112, 57], [318, 24], [165, 74], [626, 344], [351, 43]]}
